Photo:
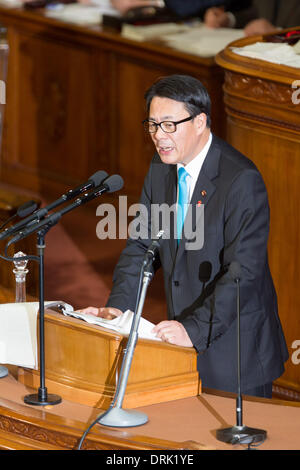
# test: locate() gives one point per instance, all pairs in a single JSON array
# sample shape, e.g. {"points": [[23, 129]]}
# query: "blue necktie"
{"points": [[182, 200]]}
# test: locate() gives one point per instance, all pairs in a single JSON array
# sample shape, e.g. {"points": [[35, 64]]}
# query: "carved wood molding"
{"points": [[285, 393], [34, 432], [261, 90], [19, 429], [263, 101], [61, 440]]}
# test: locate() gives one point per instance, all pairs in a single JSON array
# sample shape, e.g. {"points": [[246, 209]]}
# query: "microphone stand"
{"points": [[113, 183], [116, 416], [42, 397], [240, 434]]}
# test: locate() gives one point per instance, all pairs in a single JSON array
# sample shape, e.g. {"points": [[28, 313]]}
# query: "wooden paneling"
{"points": [[54, 126], [76, 101]]}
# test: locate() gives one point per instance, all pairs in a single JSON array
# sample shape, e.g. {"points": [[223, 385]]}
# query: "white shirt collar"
{"points": [[194, 166]]}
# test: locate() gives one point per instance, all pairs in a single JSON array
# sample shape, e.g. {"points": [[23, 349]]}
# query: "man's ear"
{"points": [[200, 122]]}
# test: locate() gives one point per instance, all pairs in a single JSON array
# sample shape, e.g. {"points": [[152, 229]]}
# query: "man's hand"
{"points": [[173, 332], [104, 312], [216, 17], [259, 26], [124, 5]]}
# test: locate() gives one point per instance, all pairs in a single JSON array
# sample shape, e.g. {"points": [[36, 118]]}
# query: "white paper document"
{"points": [[152, 31], [194, 38], [203, 41], [121, 324], [81, 14], [18, 334], [278, 53]]}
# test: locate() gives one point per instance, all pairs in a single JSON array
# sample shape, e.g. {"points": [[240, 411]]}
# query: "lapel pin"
{"points": [[203, 192]]}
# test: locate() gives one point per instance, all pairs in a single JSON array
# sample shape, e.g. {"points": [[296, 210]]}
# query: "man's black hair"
{"points": [[185, 89]]}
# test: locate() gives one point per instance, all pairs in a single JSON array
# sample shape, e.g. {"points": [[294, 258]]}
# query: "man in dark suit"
{"points": [[200, 291], [261, 17], [188, 8], [183, 9]]}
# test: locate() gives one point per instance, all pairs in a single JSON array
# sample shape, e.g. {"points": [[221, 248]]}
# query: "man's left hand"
{"points": [[172, 332]]}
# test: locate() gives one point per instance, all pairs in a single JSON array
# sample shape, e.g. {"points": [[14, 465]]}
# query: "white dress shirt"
{"points": [[193, 167]]}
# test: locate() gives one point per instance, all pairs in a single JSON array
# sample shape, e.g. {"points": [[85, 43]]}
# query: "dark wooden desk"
{"points": [[75, 101]]}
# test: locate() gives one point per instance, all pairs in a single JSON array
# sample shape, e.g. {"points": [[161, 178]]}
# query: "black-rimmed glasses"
{"points": [[166, 126]]}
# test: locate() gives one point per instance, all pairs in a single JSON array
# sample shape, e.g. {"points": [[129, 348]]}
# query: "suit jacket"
{"points": [[281, 13], [186, 8], [236, 225]]}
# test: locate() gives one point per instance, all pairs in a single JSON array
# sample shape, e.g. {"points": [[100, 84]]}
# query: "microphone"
{"points": [[111, 184], [95, 180], [239, 434], [153, 249], [26, 209], [23, 211]]}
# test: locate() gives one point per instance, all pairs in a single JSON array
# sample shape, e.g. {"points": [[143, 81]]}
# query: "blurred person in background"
{"points": [[261, 17]]}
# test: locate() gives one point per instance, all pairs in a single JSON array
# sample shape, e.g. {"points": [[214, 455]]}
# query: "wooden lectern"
{"points": [[82, 363]]}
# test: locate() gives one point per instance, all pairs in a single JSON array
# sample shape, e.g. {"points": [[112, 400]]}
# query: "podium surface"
{"points": [[187, 424]]}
